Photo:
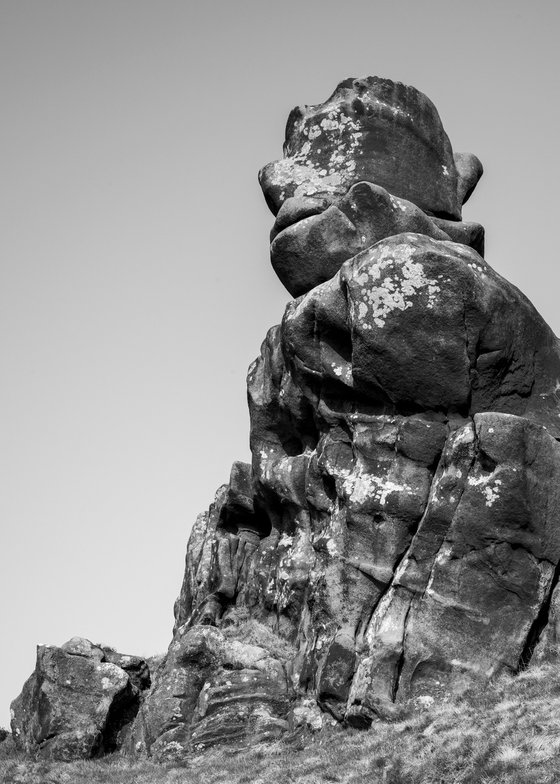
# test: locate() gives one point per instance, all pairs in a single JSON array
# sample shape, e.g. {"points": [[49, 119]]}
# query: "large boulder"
{"points": [[416, 325], [372, 130], [311, 240], [371, 161], [79, 701]]}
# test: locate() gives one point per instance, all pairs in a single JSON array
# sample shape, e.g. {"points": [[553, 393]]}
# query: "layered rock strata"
{"points": [[397, 533]]}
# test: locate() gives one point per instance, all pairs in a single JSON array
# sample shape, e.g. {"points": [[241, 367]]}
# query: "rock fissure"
{"points": [[401, 660], [539, 624], [471, 362]]}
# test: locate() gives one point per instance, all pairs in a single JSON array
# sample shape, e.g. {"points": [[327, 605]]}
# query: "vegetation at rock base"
{"points": [[506, 733]]}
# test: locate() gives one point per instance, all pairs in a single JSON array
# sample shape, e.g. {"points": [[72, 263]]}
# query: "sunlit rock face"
{"points": [[397, 532], [371, 161]]}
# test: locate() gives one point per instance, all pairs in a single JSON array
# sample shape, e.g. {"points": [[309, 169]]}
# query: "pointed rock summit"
{"points": [[397, 534]]}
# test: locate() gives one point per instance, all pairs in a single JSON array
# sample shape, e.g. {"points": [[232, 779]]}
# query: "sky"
{"points": [[136, 286]]}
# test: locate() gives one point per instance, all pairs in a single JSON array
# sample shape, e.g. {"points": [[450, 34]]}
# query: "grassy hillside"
{"points": [[508, 732]]}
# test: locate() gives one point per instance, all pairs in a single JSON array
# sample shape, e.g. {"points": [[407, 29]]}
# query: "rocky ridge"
{"points": [[397, 534]]}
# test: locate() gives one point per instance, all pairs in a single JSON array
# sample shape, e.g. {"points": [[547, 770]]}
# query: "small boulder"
{"points": [[78, 702]]}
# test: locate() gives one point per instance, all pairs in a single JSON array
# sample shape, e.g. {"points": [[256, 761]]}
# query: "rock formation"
{"points": [[78, 701], [398, 531], [371, 162]]}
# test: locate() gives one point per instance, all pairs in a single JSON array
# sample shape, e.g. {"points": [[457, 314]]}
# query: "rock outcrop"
{"points": [[79, 702], [215, 687], [397, 533]]}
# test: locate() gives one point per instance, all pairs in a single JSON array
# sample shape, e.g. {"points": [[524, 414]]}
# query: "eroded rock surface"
{"points": [[398, 530], [79, 702], [397, 533], [415, 325], [215, 688], [371, 161]]}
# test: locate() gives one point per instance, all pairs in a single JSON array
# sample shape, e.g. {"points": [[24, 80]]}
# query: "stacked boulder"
{"points": [[397, 534]]}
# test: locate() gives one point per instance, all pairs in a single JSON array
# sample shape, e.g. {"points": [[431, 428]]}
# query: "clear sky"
{"points": [[135, 278]]}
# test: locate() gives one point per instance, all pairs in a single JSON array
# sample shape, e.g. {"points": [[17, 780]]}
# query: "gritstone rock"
{"points": [[397, 533], [79, 701], [371, 161]]}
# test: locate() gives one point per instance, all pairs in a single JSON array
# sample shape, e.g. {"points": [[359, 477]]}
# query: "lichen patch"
{"points": [[392, 283]]}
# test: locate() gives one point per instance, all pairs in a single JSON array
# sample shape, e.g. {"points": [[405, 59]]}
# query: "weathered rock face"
{"points": [[213, 688], [309, 244], [407, 553], [370, 162], [79, 702], [415, 325], [397, 533]]}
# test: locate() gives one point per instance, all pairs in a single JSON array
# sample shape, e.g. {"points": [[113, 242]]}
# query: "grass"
{"points": [[507, 733], [251, 632]]}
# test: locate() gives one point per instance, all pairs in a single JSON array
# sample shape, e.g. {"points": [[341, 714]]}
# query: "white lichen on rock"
{"points": [[392, 283]]}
